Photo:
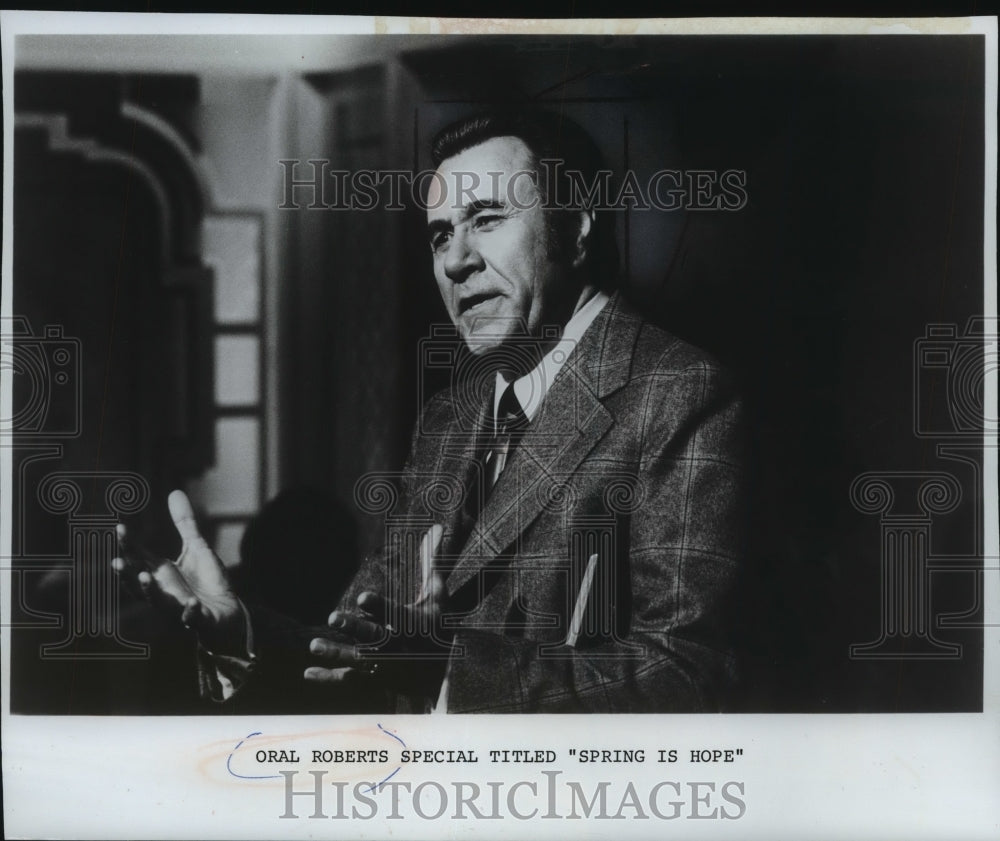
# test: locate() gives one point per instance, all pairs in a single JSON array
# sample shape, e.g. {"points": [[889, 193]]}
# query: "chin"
{"points": [[512, 354], [484, 332], [483, 340]]}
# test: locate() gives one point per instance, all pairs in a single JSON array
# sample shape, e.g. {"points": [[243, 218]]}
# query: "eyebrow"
{"points": [[438, 226], [470, 210]]}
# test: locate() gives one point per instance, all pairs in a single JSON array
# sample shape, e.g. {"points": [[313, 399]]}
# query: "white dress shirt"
{"points": [[531, 389]]}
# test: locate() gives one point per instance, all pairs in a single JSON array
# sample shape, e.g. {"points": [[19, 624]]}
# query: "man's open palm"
{"points": [[194, 587]]}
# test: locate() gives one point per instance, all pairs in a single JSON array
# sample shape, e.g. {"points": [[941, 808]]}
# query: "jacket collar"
{"points": [[571, 420]]}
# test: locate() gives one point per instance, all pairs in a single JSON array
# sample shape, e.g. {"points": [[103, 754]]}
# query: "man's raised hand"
{"points": [[194, 588]]}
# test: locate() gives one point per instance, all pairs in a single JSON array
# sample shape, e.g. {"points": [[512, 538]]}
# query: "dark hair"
{"points": [[549, 137]]}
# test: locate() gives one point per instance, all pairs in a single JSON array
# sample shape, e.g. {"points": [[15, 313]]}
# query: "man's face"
{"points": [[495, 261]]}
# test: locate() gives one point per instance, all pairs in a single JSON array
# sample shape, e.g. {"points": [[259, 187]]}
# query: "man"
{"points": [[587, 558]]}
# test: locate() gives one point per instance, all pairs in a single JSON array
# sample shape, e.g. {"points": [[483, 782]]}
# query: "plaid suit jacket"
{"points": [[635, 457]]}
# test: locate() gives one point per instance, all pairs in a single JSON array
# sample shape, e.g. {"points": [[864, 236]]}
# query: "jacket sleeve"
{"points": [[672, 649]]}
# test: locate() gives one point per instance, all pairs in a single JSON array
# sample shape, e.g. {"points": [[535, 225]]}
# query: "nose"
{"points": [[462, 259]]}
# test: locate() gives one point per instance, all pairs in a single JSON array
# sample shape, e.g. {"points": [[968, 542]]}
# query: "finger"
{"points": [[171, 600], [124, 542], [316, 674], [126, 568], [171, 586], [134, 560], [146, 584], [380, 610], [151, 592], [358, 628], [191, 613], [373, 605], [121, 533], [183, 517], [128, 575], [130, 550], [333, 652], [428, 549]]}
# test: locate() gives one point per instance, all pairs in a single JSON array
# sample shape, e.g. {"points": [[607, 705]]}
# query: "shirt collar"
{"points": [[531, 389]]}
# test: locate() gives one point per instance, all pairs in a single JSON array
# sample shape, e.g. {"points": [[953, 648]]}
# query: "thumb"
{"points": [[183, 517]]}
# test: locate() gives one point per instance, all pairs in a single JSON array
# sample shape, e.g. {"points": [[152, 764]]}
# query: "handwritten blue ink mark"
{"points": [[229, 760], [382, 782], [388, 733], [239, 744]]}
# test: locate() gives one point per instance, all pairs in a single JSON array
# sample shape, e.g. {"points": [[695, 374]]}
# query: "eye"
{"points": [[439, 241]]}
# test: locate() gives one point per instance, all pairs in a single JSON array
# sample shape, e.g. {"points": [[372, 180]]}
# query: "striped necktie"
{"points": [[511, 423]]}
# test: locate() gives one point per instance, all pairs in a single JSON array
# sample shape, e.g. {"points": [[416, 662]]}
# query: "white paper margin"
{"points": [[805, 776]]}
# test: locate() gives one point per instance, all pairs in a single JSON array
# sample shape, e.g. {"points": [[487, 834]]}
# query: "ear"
{"points": [[582, 243]]}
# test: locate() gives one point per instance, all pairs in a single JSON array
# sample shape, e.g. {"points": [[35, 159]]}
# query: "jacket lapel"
{"points": [[571, 420], [461, 457]]}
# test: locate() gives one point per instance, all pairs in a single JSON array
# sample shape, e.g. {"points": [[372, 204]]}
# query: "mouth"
{"points": [[472, 302]]}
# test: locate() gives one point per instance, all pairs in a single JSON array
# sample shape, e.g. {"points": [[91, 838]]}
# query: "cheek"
{"points": [[445, 288], [517, 259]]}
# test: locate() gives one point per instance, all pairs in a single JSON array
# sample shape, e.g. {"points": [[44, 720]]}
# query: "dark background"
{"points": [[864, 162]]}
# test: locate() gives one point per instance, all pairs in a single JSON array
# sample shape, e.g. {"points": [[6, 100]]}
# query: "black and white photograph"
{"points": [[363, 374]]}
